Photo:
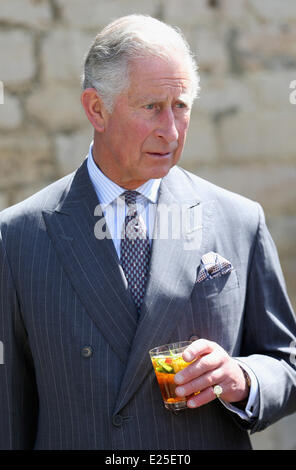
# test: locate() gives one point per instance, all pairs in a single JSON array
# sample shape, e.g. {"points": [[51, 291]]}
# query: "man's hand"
{"points": [[213, 366]]}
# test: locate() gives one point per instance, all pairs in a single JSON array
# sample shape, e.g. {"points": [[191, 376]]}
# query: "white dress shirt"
{"points": [[114, 210], [114, 207]]}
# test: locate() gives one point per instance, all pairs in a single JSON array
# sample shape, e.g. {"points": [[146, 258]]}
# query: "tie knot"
{"points": [[130, 197]]}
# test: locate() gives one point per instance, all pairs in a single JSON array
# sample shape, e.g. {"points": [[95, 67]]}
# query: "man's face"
{"points": [[145, 133]]}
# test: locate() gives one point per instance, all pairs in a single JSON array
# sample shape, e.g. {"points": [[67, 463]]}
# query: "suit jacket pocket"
{"points": [[218, 285], [217, 310]]}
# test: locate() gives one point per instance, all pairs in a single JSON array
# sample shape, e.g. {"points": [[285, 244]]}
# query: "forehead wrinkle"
{"points": [[170, 82], [170, 78], [183, 96], [160, 94]]}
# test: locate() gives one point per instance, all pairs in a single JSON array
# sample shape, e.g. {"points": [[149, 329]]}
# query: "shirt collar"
{"points": [[107, 191]]}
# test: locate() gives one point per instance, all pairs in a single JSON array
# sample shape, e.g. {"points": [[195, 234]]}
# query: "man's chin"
{"points": [[161, 172], [162, 168], [155, 172]]}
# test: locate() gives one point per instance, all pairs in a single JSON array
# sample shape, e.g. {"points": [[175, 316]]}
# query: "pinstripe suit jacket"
{"points": [[76, 372]]}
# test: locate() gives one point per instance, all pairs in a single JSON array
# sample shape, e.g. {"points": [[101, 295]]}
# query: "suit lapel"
{"points": [[95, 273], [91, 264], [173, 268]]}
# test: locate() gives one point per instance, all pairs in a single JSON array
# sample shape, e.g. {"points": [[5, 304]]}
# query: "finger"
{"points": [[199, 367], [201, 383], [197, 348], [204, 397]]}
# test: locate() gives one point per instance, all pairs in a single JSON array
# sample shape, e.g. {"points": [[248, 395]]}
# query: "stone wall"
{"points": [[243, 126]]}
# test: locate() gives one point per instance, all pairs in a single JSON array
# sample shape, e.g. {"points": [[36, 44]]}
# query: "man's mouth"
{"points": [[160, 154]]}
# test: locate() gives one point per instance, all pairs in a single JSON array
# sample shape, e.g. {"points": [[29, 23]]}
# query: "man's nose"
{"points": [[167, 128]]}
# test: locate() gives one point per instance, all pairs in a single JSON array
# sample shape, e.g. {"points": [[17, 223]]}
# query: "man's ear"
{"points": [[94, 108]]}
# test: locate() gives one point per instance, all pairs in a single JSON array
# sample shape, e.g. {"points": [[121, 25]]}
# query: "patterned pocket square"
{"points": [[213, 265]]}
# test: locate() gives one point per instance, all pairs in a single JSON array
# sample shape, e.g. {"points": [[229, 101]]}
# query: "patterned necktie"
{"points": [[134, 250]]}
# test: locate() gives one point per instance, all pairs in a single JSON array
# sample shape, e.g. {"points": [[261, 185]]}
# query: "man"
{"points": [[81, 305]]}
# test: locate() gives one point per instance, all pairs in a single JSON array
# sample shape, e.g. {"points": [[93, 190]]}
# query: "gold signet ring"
{"points": [[218, 390]]}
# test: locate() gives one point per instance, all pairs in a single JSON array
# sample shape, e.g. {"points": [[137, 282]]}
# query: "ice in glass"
{"points": [[167, 361]]}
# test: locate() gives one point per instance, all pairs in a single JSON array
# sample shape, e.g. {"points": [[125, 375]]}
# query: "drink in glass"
{"points": [[167, 361]]}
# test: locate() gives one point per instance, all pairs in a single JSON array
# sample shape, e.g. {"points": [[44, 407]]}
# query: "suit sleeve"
{"points": [[18, 392], [269, 332]]}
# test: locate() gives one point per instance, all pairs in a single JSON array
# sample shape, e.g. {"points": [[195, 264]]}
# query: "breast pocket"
{"points": [[218, 285], [217, 308]]}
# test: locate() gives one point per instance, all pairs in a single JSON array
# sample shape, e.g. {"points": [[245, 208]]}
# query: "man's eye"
{"points": [[149, 106], [181, 105]]}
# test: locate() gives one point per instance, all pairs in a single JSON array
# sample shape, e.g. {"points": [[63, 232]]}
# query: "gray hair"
{"points": [[129, 38]]}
